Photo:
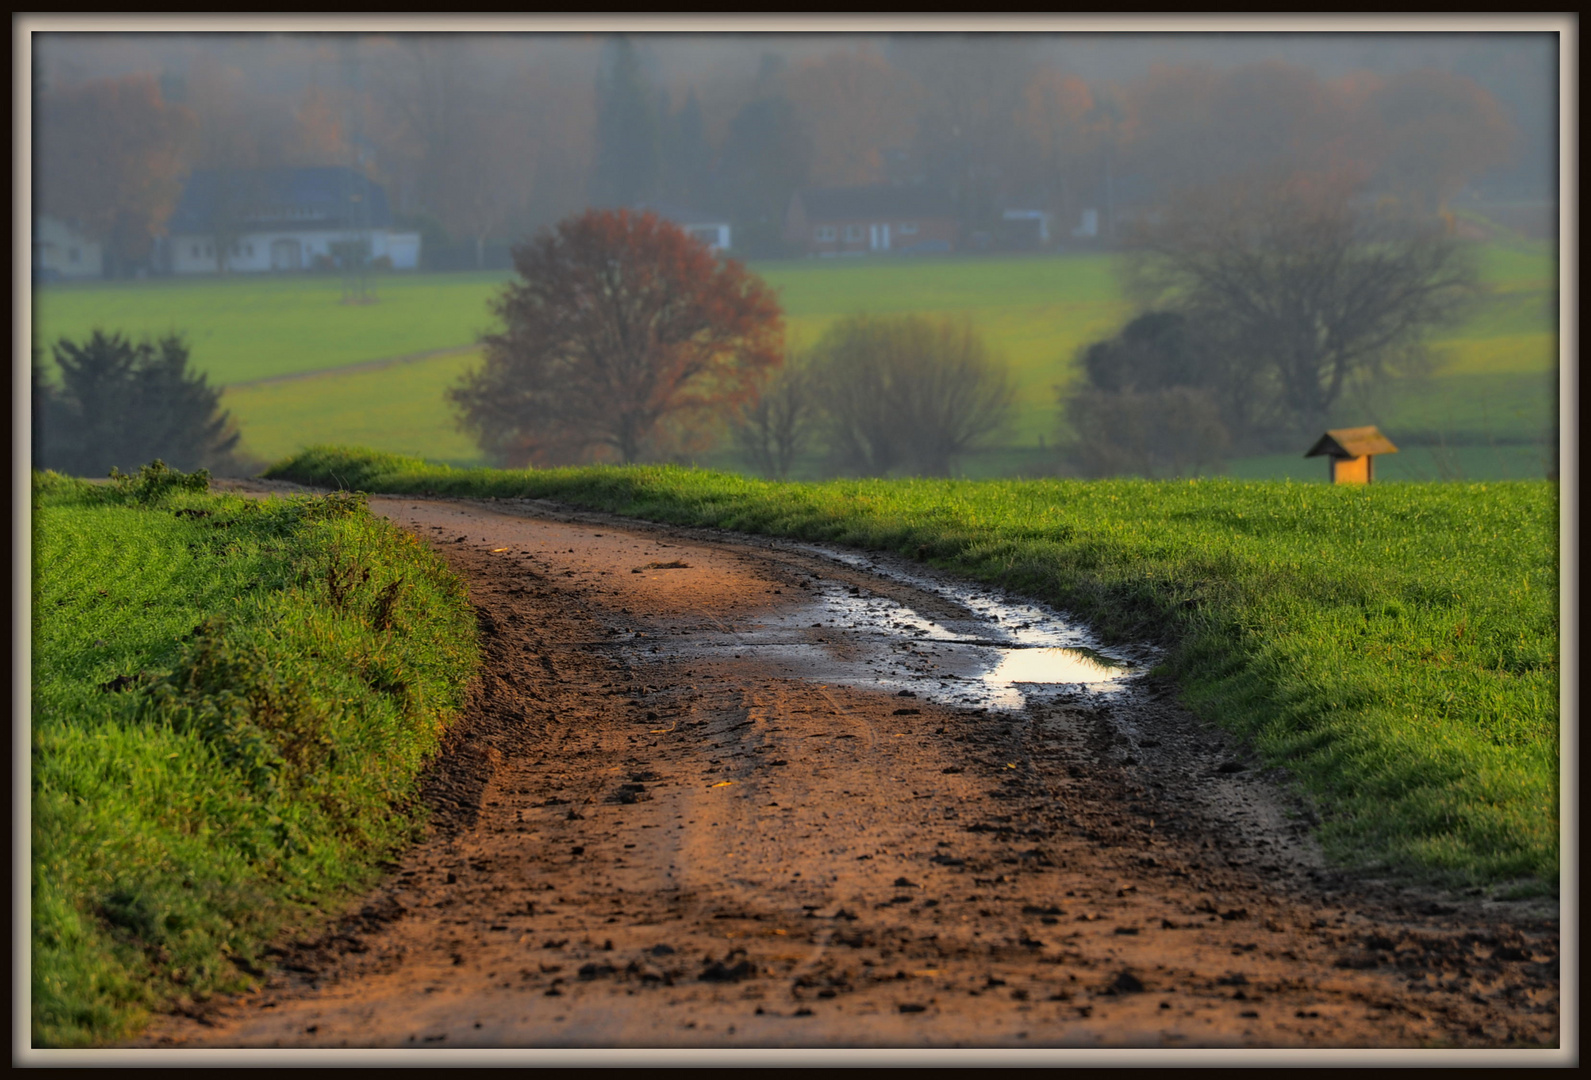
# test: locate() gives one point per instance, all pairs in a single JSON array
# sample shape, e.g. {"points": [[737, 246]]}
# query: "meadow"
{"points": [[1494, 388], [1393, 648], [231, 703]]}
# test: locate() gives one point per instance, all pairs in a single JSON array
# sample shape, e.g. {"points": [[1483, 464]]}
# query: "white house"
{"points": [[61, 252], [284, 220]]}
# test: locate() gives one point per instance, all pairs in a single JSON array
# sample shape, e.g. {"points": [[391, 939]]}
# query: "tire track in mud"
{"points": [[634, 845]]}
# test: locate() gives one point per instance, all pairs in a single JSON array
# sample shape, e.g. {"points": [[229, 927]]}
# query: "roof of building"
{"points": [[328, 197], [875, 201], [1352, 442]]}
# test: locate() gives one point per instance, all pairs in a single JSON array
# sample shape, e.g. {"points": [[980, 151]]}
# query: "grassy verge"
{"points": [[232, 701], [1395, 647]]}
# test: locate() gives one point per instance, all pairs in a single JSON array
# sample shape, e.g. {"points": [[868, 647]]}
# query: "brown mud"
{"points": [[634, 843]]}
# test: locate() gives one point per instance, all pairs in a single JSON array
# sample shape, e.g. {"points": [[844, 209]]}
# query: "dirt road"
{"points": [[690, 807]]}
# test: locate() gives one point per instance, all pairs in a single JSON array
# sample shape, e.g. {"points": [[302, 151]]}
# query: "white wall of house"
{"points": [[286, 250], [58, 247], [402, 248]]}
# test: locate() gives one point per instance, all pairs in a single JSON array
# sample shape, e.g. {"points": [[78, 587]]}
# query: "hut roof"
{"points": [[1352, 442]]}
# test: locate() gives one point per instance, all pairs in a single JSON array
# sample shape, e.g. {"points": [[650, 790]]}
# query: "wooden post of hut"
{"points": [[1350, 453]]}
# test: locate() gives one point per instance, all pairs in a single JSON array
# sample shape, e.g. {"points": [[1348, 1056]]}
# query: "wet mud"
{"points": [[719, 791]]}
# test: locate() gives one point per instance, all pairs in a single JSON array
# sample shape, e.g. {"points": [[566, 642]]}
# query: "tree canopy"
{"points": [[1303, 285], [123, 403], [621, 337], [907, 393]]}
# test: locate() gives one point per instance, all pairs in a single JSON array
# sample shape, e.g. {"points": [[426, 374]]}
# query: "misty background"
{"points": [[478, 141], [482, 138]]}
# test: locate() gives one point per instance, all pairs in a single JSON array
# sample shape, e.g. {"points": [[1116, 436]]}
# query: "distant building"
{"points": [[62, 253], [711, 229], [283, 220], [1025, 229], [876, 219]]}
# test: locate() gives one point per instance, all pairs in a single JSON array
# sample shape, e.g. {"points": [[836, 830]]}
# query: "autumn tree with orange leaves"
{"points": [[109, 161], [620, 332]]}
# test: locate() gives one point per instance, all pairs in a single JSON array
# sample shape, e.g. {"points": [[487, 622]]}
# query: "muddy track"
{"points": [[638, 840]]}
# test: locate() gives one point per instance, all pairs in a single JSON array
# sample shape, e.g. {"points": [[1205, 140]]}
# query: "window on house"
{"points": [[853, 232], [825, 232], [196, 251], [248, 249], [209, 249], [71, 254], [908, 228]]}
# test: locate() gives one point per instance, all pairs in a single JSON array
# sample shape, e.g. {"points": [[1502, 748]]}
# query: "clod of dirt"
{"points": [[1127, 983], [718, 971]]}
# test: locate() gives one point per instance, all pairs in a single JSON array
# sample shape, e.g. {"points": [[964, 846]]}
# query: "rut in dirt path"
{"points": [[643, 839]]}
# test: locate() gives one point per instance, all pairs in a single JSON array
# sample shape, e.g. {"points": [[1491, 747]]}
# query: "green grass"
{"points": [[1420, 464], [398, 408], [258, 327], [228, 720], [1496, 382], [1395, 647]]}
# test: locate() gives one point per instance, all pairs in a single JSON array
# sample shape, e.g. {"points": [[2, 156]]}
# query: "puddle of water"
{"points": [[1054, 666], [1001, 655]]}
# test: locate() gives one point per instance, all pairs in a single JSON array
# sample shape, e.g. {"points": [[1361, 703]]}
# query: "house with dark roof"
{"points": [[261, 220], [875, 219]]}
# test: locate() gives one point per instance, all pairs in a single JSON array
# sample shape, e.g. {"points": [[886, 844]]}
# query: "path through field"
{"points": [[689, 808]]}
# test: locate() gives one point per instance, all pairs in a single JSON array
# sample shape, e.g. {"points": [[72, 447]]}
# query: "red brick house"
{"points": [[877, 219]]}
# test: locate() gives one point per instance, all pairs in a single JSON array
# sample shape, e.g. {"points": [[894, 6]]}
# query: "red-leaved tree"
{"points": [[621, 334]]}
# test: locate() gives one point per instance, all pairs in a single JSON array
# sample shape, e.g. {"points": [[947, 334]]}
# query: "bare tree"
{"points": [[779, 424], [908, 393], [1304, 283]]}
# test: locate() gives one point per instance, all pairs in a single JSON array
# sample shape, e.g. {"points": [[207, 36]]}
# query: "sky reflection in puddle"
{"points": [[1000, 655]]}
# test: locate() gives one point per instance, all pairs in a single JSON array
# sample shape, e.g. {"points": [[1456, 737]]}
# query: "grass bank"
{"points": [[232, 701], [1395, 647]]}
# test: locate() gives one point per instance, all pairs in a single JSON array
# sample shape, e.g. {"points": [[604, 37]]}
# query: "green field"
{"points": [[228, 719], [259, 326], [1394, 647], [1496, 385]]}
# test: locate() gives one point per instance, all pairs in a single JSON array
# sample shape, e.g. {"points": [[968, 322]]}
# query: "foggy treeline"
{"points": [[481, 139]]}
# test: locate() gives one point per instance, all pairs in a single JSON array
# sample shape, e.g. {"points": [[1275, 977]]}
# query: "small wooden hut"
{"points": [[1350, 453]]}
